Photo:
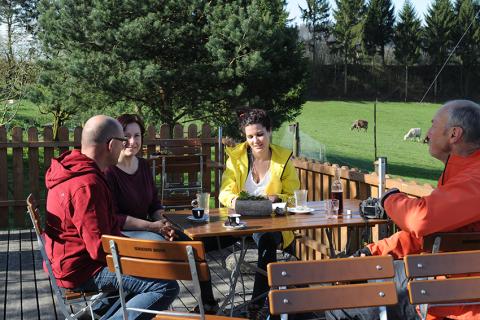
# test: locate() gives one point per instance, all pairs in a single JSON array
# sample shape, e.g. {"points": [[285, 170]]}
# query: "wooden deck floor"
{"points": [[25, 291]]}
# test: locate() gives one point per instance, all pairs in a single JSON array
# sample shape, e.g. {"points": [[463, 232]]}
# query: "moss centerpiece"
{"points": [[250, 205]]}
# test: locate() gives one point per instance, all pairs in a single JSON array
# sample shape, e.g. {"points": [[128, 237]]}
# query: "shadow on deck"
{"points": [[25, 291]]}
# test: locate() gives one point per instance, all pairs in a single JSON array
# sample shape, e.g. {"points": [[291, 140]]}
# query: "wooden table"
{"points": [[215, 227], [299, 221]]}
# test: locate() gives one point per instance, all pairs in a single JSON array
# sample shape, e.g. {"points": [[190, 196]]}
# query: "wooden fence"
{"points": [[23, 162], [23, 165], [316, 177]]}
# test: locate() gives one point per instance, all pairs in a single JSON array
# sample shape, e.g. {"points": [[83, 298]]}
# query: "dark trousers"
{"points": [[267, 252], [403, 310]]}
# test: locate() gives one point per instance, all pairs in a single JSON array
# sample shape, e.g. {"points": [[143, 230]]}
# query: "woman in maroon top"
{"points": [[131, 180], [135, 194]]}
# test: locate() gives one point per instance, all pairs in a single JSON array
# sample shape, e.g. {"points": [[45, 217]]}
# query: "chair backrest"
{"points": [[331, 271], [181, 146], [156, 259], [451, 241], [181, 260], [443, 290], [34, 214]]}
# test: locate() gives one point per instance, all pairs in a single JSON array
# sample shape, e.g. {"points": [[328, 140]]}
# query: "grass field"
{"points": [[326, 125], [325, 128]]}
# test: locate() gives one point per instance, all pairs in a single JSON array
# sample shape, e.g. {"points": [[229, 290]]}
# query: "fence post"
{"points": [[295, 129], [18, 211], [3, 179]]}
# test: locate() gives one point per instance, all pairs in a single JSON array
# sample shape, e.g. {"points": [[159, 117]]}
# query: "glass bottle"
{"points": [[336, 191]]}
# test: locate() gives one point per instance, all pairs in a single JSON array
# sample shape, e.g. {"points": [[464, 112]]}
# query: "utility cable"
{"points": [[450, 55]]}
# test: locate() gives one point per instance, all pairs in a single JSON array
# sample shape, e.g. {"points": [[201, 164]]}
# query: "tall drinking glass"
{"points": [[300, 198], [331, 207], [202, 201]]}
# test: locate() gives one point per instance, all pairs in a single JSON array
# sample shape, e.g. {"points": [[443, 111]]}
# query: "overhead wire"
{"points": [[449, 56]]}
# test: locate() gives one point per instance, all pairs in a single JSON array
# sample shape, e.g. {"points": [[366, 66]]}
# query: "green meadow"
{"points": [[325, 134]]}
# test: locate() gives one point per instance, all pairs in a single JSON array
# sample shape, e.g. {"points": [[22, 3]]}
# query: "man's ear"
{"points": [[456, 134], [109, 145]]}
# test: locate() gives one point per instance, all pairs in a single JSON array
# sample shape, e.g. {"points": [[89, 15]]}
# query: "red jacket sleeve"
{"points": [[398, 245], [447, 208]]}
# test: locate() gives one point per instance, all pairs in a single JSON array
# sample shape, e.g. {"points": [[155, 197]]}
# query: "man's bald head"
{"points": [[99, 129]]}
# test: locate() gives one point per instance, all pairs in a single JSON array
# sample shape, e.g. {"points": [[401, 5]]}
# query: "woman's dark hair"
{"points": [[254, 116], [127, 118]]}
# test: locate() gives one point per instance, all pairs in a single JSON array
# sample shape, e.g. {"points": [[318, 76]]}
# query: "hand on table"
{"points": [[165, 229]]}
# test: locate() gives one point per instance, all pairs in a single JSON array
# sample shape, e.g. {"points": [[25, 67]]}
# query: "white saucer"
{"points": [[240, 225], [301, 210], [205, 218]]}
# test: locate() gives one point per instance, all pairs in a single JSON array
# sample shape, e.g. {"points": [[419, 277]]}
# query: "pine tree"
{"points": [[258, 60], [180, 59], [408, 32], [439, 30], [438, 33], [316, 18], [348, 31], [378, 27], [467, 50]]}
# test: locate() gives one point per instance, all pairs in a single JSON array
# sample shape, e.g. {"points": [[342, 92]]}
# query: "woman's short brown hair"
{"points": [[127, 118], [254, 116]]}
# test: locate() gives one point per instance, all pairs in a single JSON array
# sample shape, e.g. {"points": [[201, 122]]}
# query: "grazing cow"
{"points": [[426, 139], [360, 124], [413, 133]]}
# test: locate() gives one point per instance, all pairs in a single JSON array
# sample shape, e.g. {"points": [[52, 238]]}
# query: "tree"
{"points": [[438, 33], [467, 51], [378, 27], [316, 19], [177, 58], [347, 31], [407, 39], [19, 18], [59, 94], [258, 61]]}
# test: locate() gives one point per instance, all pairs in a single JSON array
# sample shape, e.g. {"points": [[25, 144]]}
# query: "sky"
{"points": [[420, 6]]}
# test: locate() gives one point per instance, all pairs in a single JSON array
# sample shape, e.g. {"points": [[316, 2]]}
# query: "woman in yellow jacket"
{"points": [[260, 168]]}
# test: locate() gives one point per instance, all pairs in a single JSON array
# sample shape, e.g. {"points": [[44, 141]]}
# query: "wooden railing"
{"points": [[25, 158], [23, 163], [316, 178]]}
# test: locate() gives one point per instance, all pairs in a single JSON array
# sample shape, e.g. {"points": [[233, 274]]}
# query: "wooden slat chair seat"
{"points": [[179, 260], [451, 242], [430, 281], [66, 298], [336, 292]]}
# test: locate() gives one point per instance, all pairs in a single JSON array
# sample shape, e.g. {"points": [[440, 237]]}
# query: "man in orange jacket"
{"points": [[454, 139]]}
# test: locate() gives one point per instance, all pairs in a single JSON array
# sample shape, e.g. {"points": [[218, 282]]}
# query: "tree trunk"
{"points": [[406, 82], [383, 56], [57, 123], [345, 78]]}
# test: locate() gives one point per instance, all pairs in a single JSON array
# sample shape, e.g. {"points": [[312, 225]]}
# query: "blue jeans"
{"points": [[145, 235], [267, 244], [145, 293]]}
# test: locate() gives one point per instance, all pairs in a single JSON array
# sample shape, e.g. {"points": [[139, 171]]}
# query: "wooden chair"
{"points": [[182, 165], [451, 242], [180, 260], [335, 293], [66, 298], [423, 289]]}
